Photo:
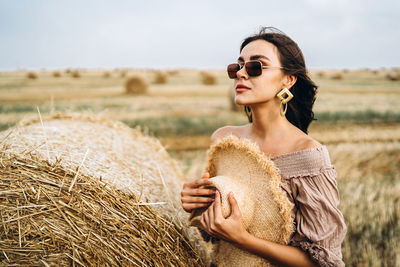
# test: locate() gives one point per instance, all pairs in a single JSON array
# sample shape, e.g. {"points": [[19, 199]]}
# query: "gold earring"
{"points": [[284, 100]]}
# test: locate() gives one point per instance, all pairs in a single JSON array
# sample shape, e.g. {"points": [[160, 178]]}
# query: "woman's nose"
{"points": [[242, 73]]}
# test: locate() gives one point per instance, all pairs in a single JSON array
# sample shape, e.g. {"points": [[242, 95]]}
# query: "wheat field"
{"points": [[358, 119]]}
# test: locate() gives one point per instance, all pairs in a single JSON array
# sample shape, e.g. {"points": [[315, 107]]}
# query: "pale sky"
{"points": [[192, 34]]}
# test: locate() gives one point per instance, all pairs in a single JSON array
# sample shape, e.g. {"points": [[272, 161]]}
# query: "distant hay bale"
{"points": [[106, 74], [75, 74], [56, 74], [173, 72], [337, 76], [136, 85], [208, 78], [31, 75], [233, 105], [321, 74], [67, 71], [160, 77], [122, 74], [82, 190], [393, 76]]}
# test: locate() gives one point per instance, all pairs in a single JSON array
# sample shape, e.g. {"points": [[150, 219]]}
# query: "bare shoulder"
{"points": [[225, 131], [306, 142]]}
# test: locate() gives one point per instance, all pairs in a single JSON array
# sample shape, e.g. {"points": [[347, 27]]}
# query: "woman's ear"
{"points": [[289, 81]]}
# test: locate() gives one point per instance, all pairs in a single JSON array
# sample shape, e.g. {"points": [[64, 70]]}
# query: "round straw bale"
{"points": [[106, 74], [173, 72], [208, 78], [160, 77], [112, 152], [393, 76], [136, 85], [81, 189], [46, 222], [31, 75], [56, 74], [337, 76], [234, 106], [75, 74], [122, 74]]}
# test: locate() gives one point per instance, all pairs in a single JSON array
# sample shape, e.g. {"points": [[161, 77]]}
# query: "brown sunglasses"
{"points": [[253, 68]]}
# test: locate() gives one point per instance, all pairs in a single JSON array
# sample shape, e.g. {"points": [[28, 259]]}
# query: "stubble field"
{"points": [[358, 119]]}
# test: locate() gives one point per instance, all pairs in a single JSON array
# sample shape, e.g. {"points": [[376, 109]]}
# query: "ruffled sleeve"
{"points": [[320, 227]]}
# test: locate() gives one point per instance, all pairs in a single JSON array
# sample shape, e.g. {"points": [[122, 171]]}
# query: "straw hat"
{"points": [[239, 166]]}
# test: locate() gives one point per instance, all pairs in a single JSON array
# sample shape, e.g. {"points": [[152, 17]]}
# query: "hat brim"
{"points": [[255, 182]]}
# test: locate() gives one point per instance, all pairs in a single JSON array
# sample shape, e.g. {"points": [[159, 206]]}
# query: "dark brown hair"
{"points": [[299, 110]]}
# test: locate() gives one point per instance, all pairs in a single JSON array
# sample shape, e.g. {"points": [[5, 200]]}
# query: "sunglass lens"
{"points": [[232, 70], [253, 68]]}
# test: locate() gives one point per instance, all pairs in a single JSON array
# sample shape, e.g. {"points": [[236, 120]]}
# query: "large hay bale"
{"points": [[31, 75], [136, 85], [208, 78], [393, 76], [78, 189], [160, 77]]}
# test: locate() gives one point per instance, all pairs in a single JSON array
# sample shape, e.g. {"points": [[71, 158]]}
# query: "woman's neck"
{"points": [[268, 123]]}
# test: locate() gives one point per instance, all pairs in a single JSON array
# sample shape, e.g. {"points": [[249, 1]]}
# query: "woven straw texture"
{"points": [[255, 182]]}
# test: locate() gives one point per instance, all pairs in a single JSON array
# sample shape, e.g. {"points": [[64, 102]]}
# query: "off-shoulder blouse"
{"points": [[309, 179]]}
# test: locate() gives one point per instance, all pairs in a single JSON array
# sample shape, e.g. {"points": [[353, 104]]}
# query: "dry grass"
{"points": [[136, 85]]}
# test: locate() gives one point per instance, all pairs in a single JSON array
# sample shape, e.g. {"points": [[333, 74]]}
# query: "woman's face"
{"points": [[262, 88]]}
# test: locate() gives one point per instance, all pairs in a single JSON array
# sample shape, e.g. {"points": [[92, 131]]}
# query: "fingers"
{"points": [[235, 210], [210, 212], [217, 206], [206, 175], [188, 207], [190, 199], [205, 221], [202, 182], [198, 192]]}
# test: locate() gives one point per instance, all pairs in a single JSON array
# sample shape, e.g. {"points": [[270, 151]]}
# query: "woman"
{"points": [[271, 81]]}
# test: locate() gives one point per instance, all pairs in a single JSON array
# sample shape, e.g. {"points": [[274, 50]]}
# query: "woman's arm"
{"points": [[231, 229]]}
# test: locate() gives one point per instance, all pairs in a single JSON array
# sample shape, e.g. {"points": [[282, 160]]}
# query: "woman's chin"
{"points": [[241, 102]]}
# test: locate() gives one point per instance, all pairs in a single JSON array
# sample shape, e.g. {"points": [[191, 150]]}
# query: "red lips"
{"points": [[241, 88]]}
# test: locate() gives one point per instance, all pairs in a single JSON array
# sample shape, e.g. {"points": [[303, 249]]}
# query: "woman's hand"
{"points": [[230, 229], [194, 197]]}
